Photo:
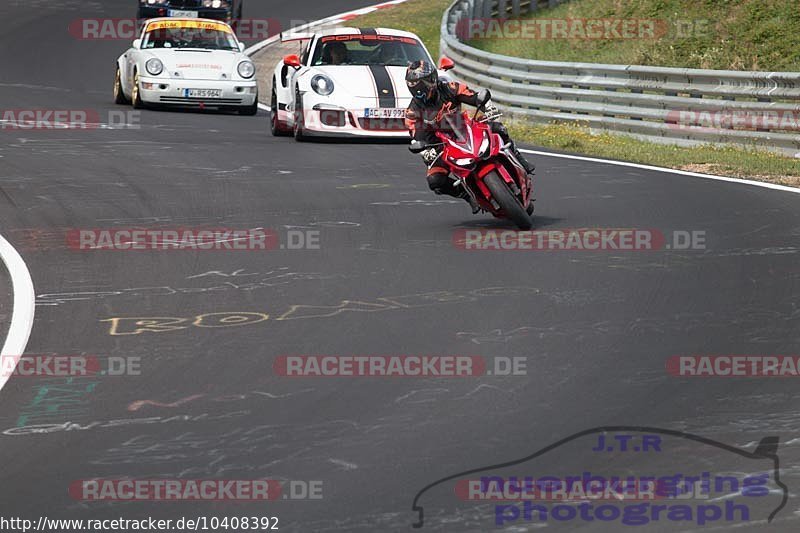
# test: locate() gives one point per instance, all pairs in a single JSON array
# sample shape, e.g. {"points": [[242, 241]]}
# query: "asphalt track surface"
{"points": [[596, 328]]}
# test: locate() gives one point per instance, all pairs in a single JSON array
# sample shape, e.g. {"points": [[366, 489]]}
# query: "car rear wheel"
{"points": [[136, 96], [277, 127], [119, 95]]}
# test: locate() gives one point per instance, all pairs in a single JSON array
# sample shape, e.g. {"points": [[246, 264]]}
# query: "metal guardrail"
{"points": [[669, 105]]}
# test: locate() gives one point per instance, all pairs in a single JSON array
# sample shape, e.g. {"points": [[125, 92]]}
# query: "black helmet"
{"points": [[421, 78]]}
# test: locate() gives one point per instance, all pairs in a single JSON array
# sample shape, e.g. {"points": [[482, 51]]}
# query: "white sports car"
{"points": [[187, 62], [345, 82]]}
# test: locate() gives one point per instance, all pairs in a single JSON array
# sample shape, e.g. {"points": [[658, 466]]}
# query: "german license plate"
{"points": [[202, 93], [183, 13], [384, 112]]}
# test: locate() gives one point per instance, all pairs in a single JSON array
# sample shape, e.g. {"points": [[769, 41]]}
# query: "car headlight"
{"points": [[322, 84], [246, 69], [216, 4], [154, 66], [153, 2]]}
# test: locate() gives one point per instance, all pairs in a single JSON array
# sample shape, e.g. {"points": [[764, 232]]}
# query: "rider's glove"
{"points": [[429, 155], [491, 111]]}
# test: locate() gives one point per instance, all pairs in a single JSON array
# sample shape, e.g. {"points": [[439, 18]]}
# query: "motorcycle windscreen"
{"points": [[460, 131]]}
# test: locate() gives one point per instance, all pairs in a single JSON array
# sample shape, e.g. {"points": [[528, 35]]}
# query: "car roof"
{"points": [[178, 19], [349, 31]]}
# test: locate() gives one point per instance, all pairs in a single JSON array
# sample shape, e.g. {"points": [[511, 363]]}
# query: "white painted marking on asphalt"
{"points": [[23, 307], [764, 184], [345, 464], [329, 20]]}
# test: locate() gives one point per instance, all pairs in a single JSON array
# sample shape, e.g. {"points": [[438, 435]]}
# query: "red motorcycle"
{"points": [[479, 161]]}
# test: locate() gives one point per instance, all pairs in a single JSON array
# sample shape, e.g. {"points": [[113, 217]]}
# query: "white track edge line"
{"points": [[22, 312], [334, 18], [741, 181]]}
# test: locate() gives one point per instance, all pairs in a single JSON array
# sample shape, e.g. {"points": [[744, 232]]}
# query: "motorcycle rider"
{"points": [[432, 99]]}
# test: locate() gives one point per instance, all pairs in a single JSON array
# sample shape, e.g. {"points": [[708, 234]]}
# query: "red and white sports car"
{"points": [[345, 82]]}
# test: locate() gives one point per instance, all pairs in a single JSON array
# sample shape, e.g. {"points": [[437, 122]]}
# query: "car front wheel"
{"points": [[250, 110], [299, 117]]}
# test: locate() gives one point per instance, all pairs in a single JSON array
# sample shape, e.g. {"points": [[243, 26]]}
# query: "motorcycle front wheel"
{"points": [[508, 202]]}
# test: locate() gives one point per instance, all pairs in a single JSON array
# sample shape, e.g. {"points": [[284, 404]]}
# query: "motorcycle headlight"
{"points": [[154, 66], [246, 69], [463, 162], [216, 4], [322, 84]]}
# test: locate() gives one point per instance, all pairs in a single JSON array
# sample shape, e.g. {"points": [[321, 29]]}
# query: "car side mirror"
{"points": [[242, 47], [137, 43], [445, 63], [292, 60]]}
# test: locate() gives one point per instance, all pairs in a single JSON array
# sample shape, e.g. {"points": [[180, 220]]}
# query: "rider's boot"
{"points": [[471, 201], [529, 168], [456, 193]]}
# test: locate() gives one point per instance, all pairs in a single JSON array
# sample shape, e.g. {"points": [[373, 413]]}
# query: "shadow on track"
{"points": [[498, 223]]}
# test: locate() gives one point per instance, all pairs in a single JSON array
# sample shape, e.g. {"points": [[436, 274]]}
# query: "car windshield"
{"points": [[188, 34], [388, 50]]}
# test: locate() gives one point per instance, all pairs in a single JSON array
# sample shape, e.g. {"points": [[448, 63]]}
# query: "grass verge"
{"points": [[710, 34]]}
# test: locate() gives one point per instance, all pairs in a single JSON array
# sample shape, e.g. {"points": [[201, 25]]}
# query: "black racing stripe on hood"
{"points": [[383, 82]]}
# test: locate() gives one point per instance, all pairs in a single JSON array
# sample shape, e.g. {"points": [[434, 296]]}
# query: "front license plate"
{"points": [[384, 112], [183, 13], [202, 93]]}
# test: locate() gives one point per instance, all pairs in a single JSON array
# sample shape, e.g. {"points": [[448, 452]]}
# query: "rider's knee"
{"points": [[500, 129]]}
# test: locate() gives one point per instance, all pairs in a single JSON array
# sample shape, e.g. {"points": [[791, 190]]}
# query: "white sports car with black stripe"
{"points": [[345, 82]]}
